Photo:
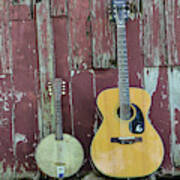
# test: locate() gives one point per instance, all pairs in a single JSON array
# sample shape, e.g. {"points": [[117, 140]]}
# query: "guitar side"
{"points": [[125, 160]]}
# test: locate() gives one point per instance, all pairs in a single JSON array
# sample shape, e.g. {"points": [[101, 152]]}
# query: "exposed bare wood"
{"points": [[153, 33], [103, 35], [58, 8], [46, 67]]}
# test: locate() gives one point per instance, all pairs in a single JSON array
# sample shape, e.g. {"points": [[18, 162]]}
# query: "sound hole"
{"points": [[131, 113]]}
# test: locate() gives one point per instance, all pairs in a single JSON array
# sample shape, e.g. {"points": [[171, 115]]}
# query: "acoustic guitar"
{"points": [[126, 144], [59, 155]]}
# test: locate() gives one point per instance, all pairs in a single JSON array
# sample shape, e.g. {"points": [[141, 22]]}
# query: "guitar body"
{"points": [[67, 153], [125, 160]]}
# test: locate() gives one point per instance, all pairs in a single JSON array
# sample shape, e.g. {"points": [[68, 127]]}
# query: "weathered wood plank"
{"points": [[45, 43], [172, 32], [62, 68], [7, 159], [59, 8], [156, 85], [20, 12], [79, 34], [153, 34], [103, 35], [135, 54], [83, 111], [25, 96], [174, 83], [172, 9], [61, 48], [5, 39]]}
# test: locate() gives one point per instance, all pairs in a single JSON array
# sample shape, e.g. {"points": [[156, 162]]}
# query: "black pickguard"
{"points": [[137, 126]]}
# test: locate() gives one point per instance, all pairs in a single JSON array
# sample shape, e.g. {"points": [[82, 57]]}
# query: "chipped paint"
{"points": [[103, 36], [86, 48], [151, 75], [174, 96], [47, 69], [152, 33], [5, 39], [178, 9], [21, 2], [20, 138], [8, 173], [59, 8], [172, 52], [18, 96]]}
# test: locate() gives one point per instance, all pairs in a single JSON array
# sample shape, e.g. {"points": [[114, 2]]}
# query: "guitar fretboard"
{"points": [[123, 73]]}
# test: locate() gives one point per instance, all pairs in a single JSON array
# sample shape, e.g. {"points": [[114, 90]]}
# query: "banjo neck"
{"points": [[58, 84]]}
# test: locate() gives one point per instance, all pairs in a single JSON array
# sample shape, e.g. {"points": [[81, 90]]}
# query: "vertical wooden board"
{"points": [[6, 116], [177, 28], [156, 85], [25, 84], [62, 66], [19, 12], [45, 45], [61, 48], [79, 34], [5, 39], [153, 35], [83, 110], [174, 83], [172, 31], [58, 8], [105, 79], [135, 54], [103, 35]]}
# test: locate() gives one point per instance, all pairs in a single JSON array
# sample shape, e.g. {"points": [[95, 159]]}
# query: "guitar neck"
{"points": [[58, 109], [123, 72]]}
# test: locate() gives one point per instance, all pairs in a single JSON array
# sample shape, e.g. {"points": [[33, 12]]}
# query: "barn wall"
{"points": [[75, 40]]}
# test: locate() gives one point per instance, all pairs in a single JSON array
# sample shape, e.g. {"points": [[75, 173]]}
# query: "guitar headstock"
{"points": [[120, 10], [133, 9]]}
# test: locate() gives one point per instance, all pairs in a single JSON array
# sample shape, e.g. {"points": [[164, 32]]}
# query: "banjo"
{"points": [[59, 155]]}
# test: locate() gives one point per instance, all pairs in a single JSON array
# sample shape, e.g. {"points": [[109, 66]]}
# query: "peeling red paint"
{"points": [[24, 68], [19, 13], [84, 39], [58, 8], [79, 13], [160, 115], [6, 139]]}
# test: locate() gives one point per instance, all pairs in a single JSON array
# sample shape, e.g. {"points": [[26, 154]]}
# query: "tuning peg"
{"points": [[50, 88], [63, 93], [64, 82]]}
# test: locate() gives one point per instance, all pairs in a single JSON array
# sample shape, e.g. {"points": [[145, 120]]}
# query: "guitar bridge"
{"points": [[126, 140]]}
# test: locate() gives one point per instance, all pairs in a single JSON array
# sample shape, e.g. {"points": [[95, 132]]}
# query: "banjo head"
{"points": [[54, 155]]}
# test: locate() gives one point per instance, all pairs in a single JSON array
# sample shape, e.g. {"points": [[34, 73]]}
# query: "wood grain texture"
{"points": [[154, 33], [84, 38], [25, 90], [103, 35], [79, 37], [45, 45], [58, 8], [159, 112]]}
